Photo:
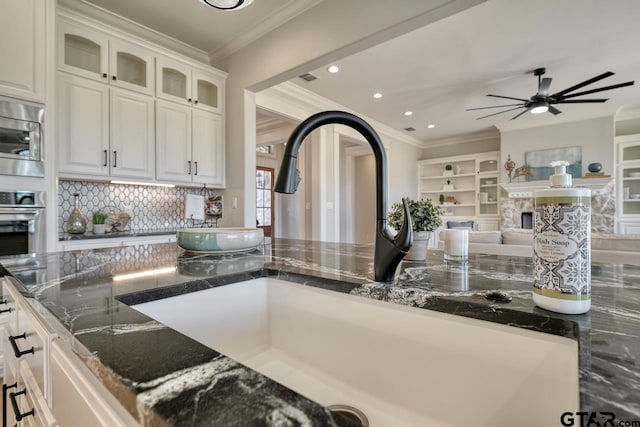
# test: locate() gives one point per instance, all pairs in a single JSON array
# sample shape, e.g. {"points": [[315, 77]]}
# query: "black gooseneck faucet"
{"points": [[389, 249]]}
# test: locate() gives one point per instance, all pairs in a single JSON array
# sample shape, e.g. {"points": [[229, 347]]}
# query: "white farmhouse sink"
{"points": [[399, 365]]}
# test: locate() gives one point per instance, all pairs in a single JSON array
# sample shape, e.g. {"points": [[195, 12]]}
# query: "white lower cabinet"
{"points": [[111, 242], [78, 399], [45, 383]]}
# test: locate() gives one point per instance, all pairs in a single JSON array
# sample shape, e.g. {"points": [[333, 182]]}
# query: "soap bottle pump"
{"points": [[562, 245]]}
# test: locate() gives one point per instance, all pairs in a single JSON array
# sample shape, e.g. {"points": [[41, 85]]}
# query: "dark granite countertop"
{"points": [[134, 356], [113, 234]]}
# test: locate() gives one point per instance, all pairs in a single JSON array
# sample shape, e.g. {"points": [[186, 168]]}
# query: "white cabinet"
{"points": [[177, 81], [22, 48], [92, 54], [113, 242], [468, 184], [628, 184], [104, 131], [132, 137], [190, 145]]}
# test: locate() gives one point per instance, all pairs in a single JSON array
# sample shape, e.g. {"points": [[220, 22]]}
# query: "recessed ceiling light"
{"points": [[430, 126], [333, 69], [377, 95], [408, 113], [228, 4]]}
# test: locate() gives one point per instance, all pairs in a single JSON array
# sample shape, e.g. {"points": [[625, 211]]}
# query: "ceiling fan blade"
{"points": [[553, 110], [578, 101], [494, 106], [509, 97], [499, 112], [519, 114], [584, 83], [543, 90], [600, 89]]}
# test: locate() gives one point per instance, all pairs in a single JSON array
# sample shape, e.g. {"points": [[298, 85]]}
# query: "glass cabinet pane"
{"points": [[82, 53], [132, 69], [631, 153], [207, 93], [174, 83], [488, 166]]}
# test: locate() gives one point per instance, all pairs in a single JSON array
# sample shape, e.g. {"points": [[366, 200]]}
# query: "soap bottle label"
{"points": [[562, 241]]}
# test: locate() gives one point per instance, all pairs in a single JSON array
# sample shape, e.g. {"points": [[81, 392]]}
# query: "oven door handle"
{"points": [[19, 211]]}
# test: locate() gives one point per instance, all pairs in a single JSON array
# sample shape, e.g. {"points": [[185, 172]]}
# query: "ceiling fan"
{"points": [[542, 102]]}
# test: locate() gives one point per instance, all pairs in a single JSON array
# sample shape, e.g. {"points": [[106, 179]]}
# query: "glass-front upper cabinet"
{"points": [[88, 53], [173, 81], [178, 82], [131, 67], [82, 51]]}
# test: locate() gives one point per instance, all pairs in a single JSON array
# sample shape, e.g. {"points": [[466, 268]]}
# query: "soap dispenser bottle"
{"points": [[562, 245]]}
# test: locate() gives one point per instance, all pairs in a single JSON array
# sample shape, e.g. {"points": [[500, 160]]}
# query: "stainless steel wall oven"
{"points": [[22, 222], [21, 138]]}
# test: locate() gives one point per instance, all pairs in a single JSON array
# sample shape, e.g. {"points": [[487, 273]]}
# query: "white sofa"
{"points": [[618, 248]]}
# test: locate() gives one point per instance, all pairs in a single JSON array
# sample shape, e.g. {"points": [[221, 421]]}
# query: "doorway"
{"points": [[264, 199]]}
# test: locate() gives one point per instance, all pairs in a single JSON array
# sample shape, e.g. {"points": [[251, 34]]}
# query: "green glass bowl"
{"points": [[219, 240]]}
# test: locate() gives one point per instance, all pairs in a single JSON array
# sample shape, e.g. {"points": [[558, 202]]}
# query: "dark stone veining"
{"points": [[163, 377]]}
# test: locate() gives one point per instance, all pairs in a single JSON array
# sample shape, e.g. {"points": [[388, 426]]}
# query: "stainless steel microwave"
{"points": [[21, 138]]}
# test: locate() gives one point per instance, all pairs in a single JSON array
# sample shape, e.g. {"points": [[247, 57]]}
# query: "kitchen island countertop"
{"points": [[77, 293]]}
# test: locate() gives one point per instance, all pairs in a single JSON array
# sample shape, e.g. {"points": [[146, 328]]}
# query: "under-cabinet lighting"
{"points": [[146, 273], [152, 184]]}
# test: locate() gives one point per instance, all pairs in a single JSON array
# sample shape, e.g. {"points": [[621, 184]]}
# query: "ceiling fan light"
{"points": [[227, 4], [539, 107]]}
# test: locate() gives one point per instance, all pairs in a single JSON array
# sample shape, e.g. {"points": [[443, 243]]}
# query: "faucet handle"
{"points": [[404, 238]]}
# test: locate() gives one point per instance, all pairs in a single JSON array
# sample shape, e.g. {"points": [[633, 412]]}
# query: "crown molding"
{"points": [[461, 139], [310, 102], [272, 21], [89, 13]]}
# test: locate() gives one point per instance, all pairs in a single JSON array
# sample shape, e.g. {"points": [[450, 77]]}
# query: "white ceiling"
{"points": [[214, 31], [442, 69]]}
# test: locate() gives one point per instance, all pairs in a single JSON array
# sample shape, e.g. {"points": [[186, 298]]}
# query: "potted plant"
{"points": [[448, 170], [442, 199], [99, 226], [425, 217]]}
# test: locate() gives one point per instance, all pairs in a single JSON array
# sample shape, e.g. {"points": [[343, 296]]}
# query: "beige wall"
{"points": [[595, 136], [470, 147], [365, 199]]}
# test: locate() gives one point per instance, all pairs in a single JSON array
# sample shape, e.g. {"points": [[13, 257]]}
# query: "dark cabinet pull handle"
{"points": [[3, 301], [106, 155], [189, 162], [16, 409], [196, 168], [104, 75], [114, 78], [189, 100], [196, 101], [8, 310], [6, 387], [19, 353], [115, 159]]}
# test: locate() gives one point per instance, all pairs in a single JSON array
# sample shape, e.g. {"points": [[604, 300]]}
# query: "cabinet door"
{"points": [[78, 399], [208, 149], [83, 126], [207, 91], [173, 141], [82, 51], [22, 48], [173, 81], [132, 135], [131, 67]]}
